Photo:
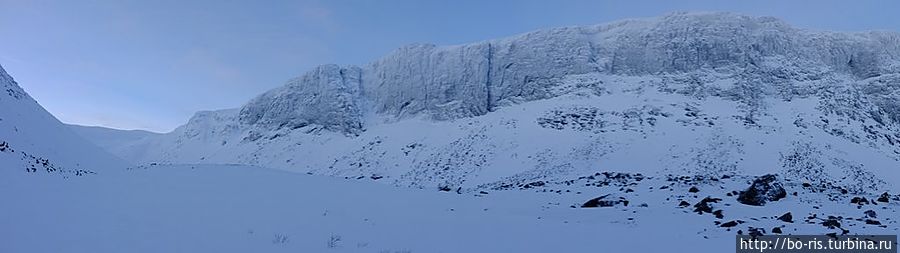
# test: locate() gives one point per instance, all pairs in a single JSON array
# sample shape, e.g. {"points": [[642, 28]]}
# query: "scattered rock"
{"points": [[718, 214], [885, 197], [831, 223], [731, 224], [776, 230], [603, 202], [859, 201], [693, 189], [684, 204], [870, 214], [764, 189], [756, 232], [872, 222], [703, 206], [787, 217]]}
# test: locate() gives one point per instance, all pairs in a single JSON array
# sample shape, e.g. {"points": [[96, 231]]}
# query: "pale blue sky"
{"points": [[151, 64]]}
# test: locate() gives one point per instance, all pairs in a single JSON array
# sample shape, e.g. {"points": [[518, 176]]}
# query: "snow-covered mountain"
{"points": [[681, 130], [32, 140], [687, 93]]}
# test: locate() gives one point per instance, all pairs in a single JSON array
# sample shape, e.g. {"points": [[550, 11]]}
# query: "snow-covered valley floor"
{"points": [[232, 208]]}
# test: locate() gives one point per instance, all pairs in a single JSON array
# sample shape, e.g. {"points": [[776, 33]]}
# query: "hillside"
{"points": [[704, 94], [32, 140]]}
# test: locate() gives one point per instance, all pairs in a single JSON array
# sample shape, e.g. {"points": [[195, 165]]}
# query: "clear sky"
{"points": [[151, 64]]}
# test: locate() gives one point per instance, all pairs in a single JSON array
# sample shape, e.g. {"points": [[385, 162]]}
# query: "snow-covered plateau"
{"points": [[669, 133]]}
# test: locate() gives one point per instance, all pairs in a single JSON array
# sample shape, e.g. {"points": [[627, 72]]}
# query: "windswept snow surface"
{"points": [[221, 208], [234, 208]]}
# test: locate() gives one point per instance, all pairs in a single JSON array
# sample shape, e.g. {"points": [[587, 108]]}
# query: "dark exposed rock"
{"points": [[703, 206], [693, 189], [859, 201], [885, 197], [718, 214], [684, 204], [831, 223], [764, 189], [602, 201], [871, 214], [872, 222], [787, 217], [756, 232], [776, 230], [731, 223]]}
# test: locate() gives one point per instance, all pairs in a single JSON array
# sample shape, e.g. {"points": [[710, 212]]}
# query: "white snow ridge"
{"points": [[670, 133]]}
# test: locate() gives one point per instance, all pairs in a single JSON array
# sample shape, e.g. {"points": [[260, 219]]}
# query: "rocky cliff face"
{"points": [[473, 79], [706, 94], [328, 96]]}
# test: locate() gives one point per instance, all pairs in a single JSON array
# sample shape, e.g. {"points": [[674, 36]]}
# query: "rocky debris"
{"points": [[533, 184], [602, 201], [718, 214], [684, 204], [704, 207], [756, 232], [871, 214], [787, 217], [885, 198], [859, 201], [832, 222], [776, 230], [731, 223], [4, 147], [766, 188], [872, 222], [693, 189], [810, 219]]}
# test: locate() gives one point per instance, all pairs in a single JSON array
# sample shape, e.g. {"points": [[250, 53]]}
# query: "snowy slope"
{"points": [[33, 140], [707, 100], [693, 94], [220, 208], [125, 141]]}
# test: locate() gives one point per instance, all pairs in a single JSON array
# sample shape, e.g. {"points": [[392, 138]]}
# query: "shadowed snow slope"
{"points": [[32, 139]]}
